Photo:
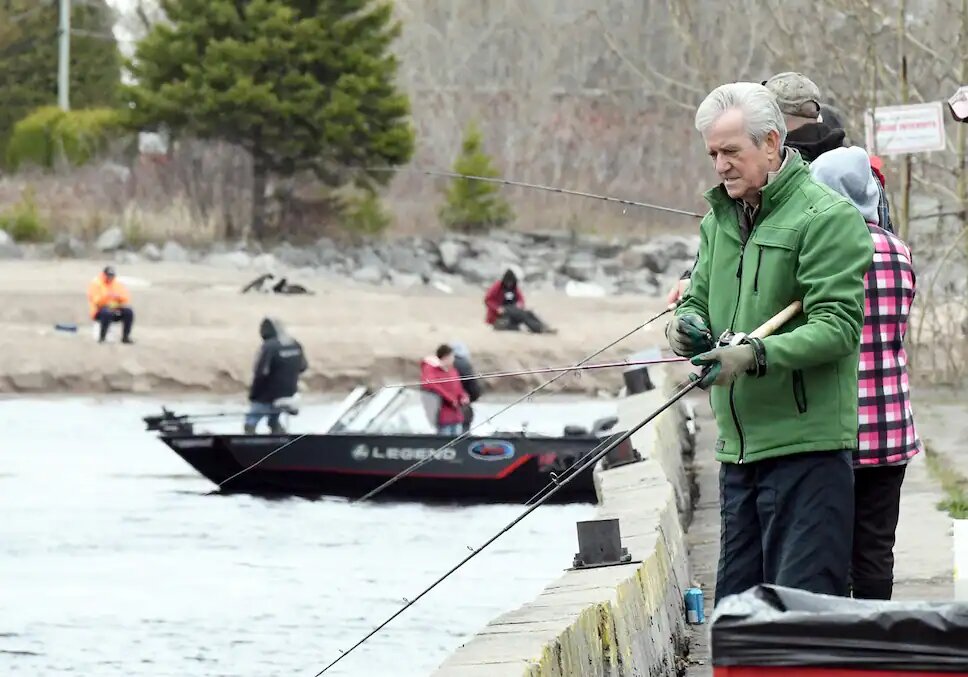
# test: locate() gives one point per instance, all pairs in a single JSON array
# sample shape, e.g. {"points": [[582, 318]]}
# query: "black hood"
{"points": [[271, 328], [815, 139], [510, 280]]}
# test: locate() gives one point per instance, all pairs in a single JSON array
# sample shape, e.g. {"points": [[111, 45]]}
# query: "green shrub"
{"points": [[49, 134], [472, 205], [23, 222], [362, 213]]}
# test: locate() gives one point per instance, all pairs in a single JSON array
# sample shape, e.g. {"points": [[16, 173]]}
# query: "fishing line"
{"points": [[540, 370], [535, 186], [432, 456], [693, 382]]}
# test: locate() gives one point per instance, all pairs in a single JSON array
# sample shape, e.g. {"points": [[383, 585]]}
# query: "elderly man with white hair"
{"points": [[785, 406]]}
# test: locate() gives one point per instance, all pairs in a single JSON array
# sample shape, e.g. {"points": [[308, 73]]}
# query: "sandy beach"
{"points": [[195, 331]]}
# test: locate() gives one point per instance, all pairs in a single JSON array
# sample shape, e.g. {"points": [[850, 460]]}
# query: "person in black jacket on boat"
{"points": [[276, 375], [462, 363]]}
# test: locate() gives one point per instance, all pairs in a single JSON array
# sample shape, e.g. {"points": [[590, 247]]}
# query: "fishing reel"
{"points": [[738, 338], [731, 338]]}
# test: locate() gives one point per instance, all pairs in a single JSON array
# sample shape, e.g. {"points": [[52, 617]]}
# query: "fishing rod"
{"points": [[534, 186], [589, 461], [540, 370], [599, 452], [467, 433]]}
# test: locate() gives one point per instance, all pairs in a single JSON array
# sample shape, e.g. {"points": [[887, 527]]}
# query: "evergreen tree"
{"points": [[301, 84], [28, 59], [474, 205]]}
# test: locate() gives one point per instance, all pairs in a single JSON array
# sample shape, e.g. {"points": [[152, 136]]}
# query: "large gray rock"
{"points": [[652, 256], [128, 258], [403, 258], [368, 274], [67, 246], [366, 257], [265, 262], [451, 252], [405, 280], [496, 250], [110, 240], [639, 282], [296, 257], [580, 267], [480, 270], [229, 260], [151, 252], [678, 246], [43, 251], [8, 248], [172, 252]]}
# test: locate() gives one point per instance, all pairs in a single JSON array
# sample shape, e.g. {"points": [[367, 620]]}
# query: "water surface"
{"points": [[116, 560]]}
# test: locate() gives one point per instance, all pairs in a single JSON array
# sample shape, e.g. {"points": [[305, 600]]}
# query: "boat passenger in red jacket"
{"points": [[506, 309], [435, 372]]}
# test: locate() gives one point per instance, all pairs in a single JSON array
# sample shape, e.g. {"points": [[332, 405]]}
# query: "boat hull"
{"points": [[507, 468]]}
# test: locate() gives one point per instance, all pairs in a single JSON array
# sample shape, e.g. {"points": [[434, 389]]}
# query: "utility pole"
{"points": [[64, 55]]}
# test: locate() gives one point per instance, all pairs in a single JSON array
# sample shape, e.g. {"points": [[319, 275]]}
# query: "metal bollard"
{"points": [[600, 545]]}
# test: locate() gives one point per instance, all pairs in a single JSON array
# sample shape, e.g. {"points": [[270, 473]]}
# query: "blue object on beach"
{"points": [[695, 607], [66, 327]]}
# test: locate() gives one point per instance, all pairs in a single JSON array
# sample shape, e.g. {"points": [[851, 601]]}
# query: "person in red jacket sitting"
{"points": [[449, 416], [506, 309]]}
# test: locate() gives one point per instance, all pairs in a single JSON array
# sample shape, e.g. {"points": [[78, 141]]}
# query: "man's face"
{"points": [[741, 164]]}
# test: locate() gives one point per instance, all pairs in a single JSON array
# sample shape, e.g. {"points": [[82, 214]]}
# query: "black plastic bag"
{"points": [[782, 627]]}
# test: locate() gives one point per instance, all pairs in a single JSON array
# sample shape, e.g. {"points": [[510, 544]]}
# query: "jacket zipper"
{"points": [[732, 386], [799, 391], [756, 276]]}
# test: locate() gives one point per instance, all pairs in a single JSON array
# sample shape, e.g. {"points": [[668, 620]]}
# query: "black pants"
{"points": [[513, 317], [877, 501], [108, 315], [468, 411], [786, 521]]}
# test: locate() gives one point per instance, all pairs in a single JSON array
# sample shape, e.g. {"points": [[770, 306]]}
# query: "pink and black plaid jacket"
{"points": [[886, 433]]}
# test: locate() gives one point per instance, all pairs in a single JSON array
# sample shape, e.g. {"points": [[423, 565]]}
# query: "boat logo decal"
{"points": [[491, 450], [363, 452]]}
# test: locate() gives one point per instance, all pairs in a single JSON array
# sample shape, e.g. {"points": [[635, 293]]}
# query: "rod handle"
{"points": [[777, 321]]}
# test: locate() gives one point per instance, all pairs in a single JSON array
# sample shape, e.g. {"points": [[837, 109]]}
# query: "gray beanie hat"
{"points": [[848, 171]]}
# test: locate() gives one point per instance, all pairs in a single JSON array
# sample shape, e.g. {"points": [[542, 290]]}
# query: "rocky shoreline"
{"points": [[579, 265]]}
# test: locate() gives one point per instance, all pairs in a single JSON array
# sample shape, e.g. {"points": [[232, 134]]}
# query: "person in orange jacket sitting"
{"points": [[449, 415], [109, 300]]}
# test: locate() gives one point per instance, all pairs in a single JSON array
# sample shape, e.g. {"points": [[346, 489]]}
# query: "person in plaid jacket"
{"points": [[887, 438]]}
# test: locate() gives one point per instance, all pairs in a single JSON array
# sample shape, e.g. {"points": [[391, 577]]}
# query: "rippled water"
{"points": [[115, 560]]}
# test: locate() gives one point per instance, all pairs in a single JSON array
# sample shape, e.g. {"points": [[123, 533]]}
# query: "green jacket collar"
{"points": [[791, 174]]}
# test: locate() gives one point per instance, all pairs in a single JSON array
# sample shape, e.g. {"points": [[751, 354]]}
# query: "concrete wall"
{"points": [[611, 621]]}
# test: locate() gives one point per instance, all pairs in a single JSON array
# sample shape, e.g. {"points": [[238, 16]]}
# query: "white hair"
{"points": [[758, 104]]}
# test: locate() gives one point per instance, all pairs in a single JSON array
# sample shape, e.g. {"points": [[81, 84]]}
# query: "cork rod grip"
{"points": [[777, 321]]}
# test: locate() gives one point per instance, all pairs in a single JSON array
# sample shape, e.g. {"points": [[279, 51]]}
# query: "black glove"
{"points": [[688, 335]]}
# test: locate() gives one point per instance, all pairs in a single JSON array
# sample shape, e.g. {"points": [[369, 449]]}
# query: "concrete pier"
{"points": [[612, 621]]}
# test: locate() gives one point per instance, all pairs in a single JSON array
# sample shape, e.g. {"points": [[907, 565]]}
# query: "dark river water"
{"points": [[116, 560]]}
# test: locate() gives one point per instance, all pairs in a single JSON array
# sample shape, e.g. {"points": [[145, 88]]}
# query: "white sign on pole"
{"points": [[916, 128]]}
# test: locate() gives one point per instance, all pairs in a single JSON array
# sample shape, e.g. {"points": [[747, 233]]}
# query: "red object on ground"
{"points": [[770, 671]]}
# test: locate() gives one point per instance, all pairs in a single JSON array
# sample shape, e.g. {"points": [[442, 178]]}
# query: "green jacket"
{"points": [[810, 244]]}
